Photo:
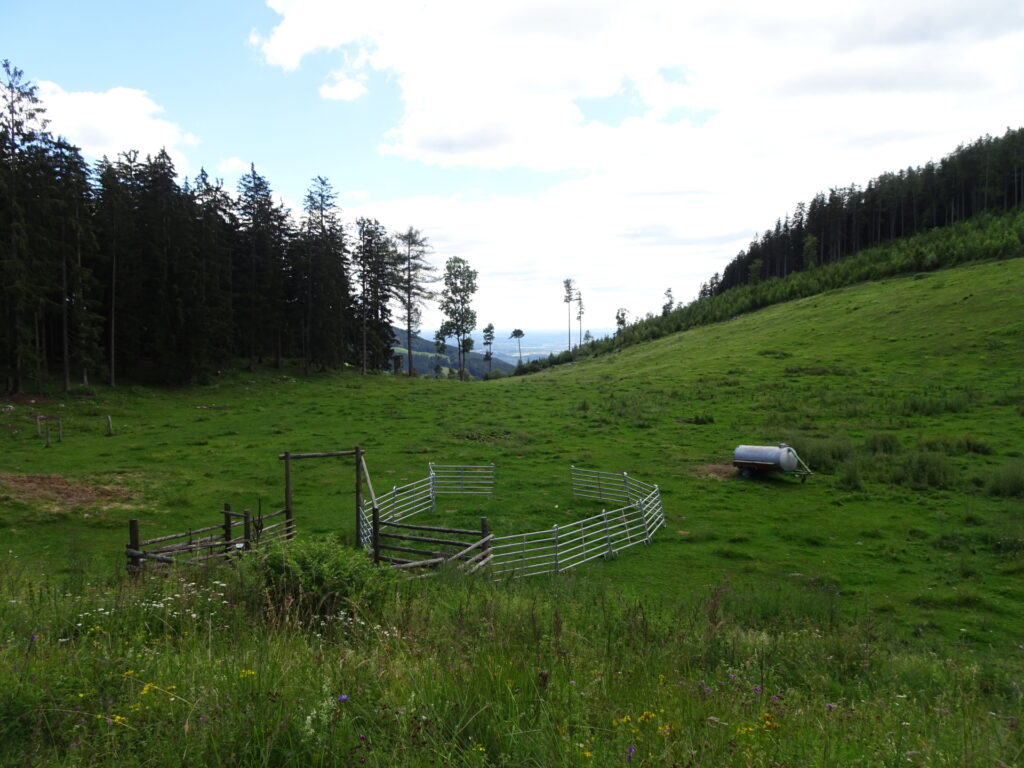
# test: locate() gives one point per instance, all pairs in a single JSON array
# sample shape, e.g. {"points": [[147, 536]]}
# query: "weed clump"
{"points": [[1009, 481], [921, 470], [883, 442]]}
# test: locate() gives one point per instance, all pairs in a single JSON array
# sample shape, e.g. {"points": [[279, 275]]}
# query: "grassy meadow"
{"points": [[870, 616]]}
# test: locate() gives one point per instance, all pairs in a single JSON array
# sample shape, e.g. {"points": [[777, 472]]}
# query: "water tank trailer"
{"points": [[749, 459]]}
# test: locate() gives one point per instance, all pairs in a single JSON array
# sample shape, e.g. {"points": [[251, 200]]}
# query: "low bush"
{"points": [[321, 573]]}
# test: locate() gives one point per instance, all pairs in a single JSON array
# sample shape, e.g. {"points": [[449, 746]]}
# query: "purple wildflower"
{"points": [[757, 690], [629, 754], [830, 707], [343, 698]]}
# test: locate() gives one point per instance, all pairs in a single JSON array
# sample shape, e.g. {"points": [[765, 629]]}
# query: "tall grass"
{"points": [[225, 668]]}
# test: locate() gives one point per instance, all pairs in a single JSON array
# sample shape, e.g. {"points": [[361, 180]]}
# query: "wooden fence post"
{"points": [[287, 486], [359, 497], [247, 527], [110, 426], [60, 429], [227, 529], [289, 524], [134, 561], [47, 435], [39, 425]]}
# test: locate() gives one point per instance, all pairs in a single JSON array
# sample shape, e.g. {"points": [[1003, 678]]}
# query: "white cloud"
{"points": [[233, 166], [343, 88], [114, 121], [798, 96]]}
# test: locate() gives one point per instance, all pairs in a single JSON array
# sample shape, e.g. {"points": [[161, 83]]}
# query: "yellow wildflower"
{"points": [[247, 673]]}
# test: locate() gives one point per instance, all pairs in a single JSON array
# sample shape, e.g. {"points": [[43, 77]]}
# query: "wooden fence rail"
{"points": [[409, 547], [238, 532]]}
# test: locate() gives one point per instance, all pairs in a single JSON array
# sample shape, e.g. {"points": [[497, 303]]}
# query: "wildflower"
{"points": [[343, 698], [830, 707], [646, 717], [147, 688], [629, 754], [247, 673]]}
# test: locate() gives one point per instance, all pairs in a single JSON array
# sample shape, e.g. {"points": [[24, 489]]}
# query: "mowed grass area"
{"points": [[906, 397]]}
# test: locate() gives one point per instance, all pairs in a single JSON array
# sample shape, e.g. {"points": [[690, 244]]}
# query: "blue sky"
{"points": [[632, 146]]}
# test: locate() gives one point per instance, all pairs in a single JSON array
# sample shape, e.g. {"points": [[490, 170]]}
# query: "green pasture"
{"points": [[906, 397], [867, 617]]}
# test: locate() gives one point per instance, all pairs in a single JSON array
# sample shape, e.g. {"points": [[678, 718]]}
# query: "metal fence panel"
{"points": [[462, 479]]}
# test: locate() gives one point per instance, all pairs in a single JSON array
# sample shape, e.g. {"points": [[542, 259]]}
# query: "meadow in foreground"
{"points": [[321, 660]]}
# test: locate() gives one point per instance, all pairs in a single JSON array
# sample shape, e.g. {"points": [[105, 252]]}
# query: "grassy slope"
{"points": [[930, 361]]}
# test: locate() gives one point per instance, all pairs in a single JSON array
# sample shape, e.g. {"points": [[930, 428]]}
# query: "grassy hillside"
{"points": [[878, 603], [905, 396]]}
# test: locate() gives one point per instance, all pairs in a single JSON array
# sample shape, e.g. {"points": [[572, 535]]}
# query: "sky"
{"points": [[629, 145]]}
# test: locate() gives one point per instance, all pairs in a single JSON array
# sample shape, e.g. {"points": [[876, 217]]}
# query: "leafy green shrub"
{"points": [[1009, 481], [320, 572]]}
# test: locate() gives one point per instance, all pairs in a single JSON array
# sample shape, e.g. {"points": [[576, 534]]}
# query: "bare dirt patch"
{"points": [[715, 471], [57, 492]]}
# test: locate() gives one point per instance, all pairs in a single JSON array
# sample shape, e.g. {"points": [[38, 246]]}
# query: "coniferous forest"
{"points": [[119, 272], [986, 176]]}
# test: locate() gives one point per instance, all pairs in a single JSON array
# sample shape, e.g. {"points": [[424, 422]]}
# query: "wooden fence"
{"points": [[422, 547], [237, 533]]}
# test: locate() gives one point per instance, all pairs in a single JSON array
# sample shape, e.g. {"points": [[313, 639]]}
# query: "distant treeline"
{"points": [[118, 271], [985, 237], [984, 177], [965, 208]]}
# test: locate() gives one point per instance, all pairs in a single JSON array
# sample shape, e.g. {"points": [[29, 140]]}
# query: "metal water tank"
{"points": [[766, 458]]}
